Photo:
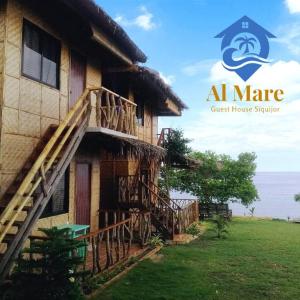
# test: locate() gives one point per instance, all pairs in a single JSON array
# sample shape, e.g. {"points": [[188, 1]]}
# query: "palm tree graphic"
{"points": [[245, 42]]}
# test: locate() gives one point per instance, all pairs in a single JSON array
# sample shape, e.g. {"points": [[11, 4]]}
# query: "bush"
{"points": [[194, 229], [51, 269], [220, 225], [155, 241]]}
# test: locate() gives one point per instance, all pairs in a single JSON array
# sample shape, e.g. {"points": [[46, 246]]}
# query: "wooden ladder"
{"points": [[33, 193]]}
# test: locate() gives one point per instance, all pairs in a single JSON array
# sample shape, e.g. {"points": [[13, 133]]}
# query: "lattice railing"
{"points": [[115, 112]]}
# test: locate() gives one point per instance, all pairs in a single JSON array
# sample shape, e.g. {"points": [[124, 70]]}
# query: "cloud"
{"points": [[279, 75], [233, 133], [144, 20], [293, 6], [198, 67], [168, 79], [289, 36]]}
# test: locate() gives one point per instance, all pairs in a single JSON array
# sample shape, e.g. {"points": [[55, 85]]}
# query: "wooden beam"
{"points": [[173, 107], [100, 38], [132, 68]]}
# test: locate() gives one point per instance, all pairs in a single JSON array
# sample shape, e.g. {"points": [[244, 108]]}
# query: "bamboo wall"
{"points": [[28, 107]]}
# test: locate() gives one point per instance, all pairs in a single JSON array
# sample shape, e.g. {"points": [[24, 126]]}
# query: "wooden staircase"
{"points": [[135, 193], [27, 198]]}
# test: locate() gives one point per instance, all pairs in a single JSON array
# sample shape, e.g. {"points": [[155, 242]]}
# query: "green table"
{"points": [[76, 231]]}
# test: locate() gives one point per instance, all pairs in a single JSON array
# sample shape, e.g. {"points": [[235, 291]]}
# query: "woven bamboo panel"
{"points": [[63, 107], [64, 62], [30, 96], [29, 124], [46, 123], [140, 132], [7, 179], [1, 56], [50, 222], [11, 92], [93, 75], [2, 20], [50, 103], [10, 120], [95, 194], [64, 83], [13, 60], [16, 150], [14, 22], [72, 192]]}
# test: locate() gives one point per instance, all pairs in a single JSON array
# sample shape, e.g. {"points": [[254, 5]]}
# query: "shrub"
{"points": [[251, 211], [155, 241], [220, 225], [194, 229], [51, 269]]}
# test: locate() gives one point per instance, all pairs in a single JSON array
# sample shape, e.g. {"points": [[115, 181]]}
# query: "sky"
{"points": [[178, 38]]}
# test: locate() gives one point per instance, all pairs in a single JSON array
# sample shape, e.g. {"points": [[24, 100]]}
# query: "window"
{"points": [[41, 55], [140, 111], [58, 203], [245, 25]]}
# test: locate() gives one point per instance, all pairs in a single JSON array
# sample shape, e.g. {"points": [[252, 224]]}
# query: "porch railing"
{"points": [[188, 212], [115, 112], [108, 246], [132, 193], [141, 222]]}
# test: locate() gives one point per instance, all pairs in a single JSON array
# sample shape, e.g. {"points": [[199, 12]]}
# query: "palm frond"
{"points": [[240, 39]]}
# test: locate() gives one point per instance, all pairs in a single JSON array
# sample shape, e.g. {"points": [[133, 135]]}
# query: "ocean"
{"points": [[276, 192]]}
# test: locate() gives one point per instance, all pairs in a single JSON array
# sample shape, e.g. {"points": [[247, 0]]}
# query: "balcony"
{"points": [[112, 113]]}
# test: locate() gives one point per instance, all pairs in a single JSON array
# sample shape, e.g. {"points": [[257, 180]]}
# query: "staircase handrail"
{"points": [[40, 166]]}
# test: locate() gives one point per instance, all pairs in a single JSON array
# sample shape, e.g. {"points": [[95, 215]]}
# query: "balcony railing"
{"points": [[115, 112]]}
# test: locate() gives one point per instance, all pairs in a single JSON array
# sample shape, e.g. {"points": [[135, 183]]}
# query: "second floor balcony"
{"points": [[112, 113]]}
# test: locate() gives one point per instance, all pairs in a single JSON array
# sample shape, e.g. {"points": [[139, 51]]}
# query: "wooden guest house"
{"points": [[79, 143]]}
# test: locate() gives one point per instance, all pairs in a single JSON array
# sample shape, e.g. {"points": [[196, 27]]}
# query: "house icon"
{"points": [[245, 26]]}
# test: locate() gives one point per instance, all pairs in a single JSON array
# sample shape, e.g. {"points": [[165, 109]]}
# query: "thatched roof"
{"points": [[122, 145], [184, 162], [155, 82], [91, 12]]}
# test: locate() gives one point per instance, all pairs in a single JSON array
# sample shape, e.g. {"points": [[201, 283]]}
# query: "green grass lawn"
{"points": [[260, 259]]}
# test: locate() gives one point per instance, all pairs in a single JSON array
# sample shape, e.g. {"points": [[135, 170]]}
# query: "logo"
{"points": [[245, 47]]}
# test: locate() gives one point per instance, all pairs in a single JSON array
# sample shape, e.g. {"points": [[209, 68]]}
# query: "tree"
{"points": [[48, 269], [220, 225], [246, 42], [175, 144], [297, 198], [219, 179]]}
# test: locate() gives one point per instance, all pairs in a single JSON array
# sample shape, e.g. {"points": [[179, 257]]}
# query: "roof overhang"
{"points": [[104, 41]]}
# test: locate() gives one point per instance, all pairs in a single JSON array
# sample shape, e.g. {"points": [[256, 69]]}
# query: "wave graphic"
{"points": [[237, 63]]}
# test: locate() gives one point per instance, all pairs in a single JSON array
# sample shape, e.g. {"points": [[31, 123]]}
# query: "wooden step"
{"points": [[25, 208], [15, 224], [9, 237]]}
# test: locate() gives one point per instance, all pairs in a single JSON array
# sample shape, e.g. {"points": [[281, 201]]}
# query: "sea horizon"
{"points": [[276, 191]]}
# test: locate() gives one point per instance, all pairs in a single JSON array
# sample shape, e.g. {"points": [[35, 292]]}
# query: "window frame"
{"points": [[47, 214], [140, 107], [42, 34]]}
